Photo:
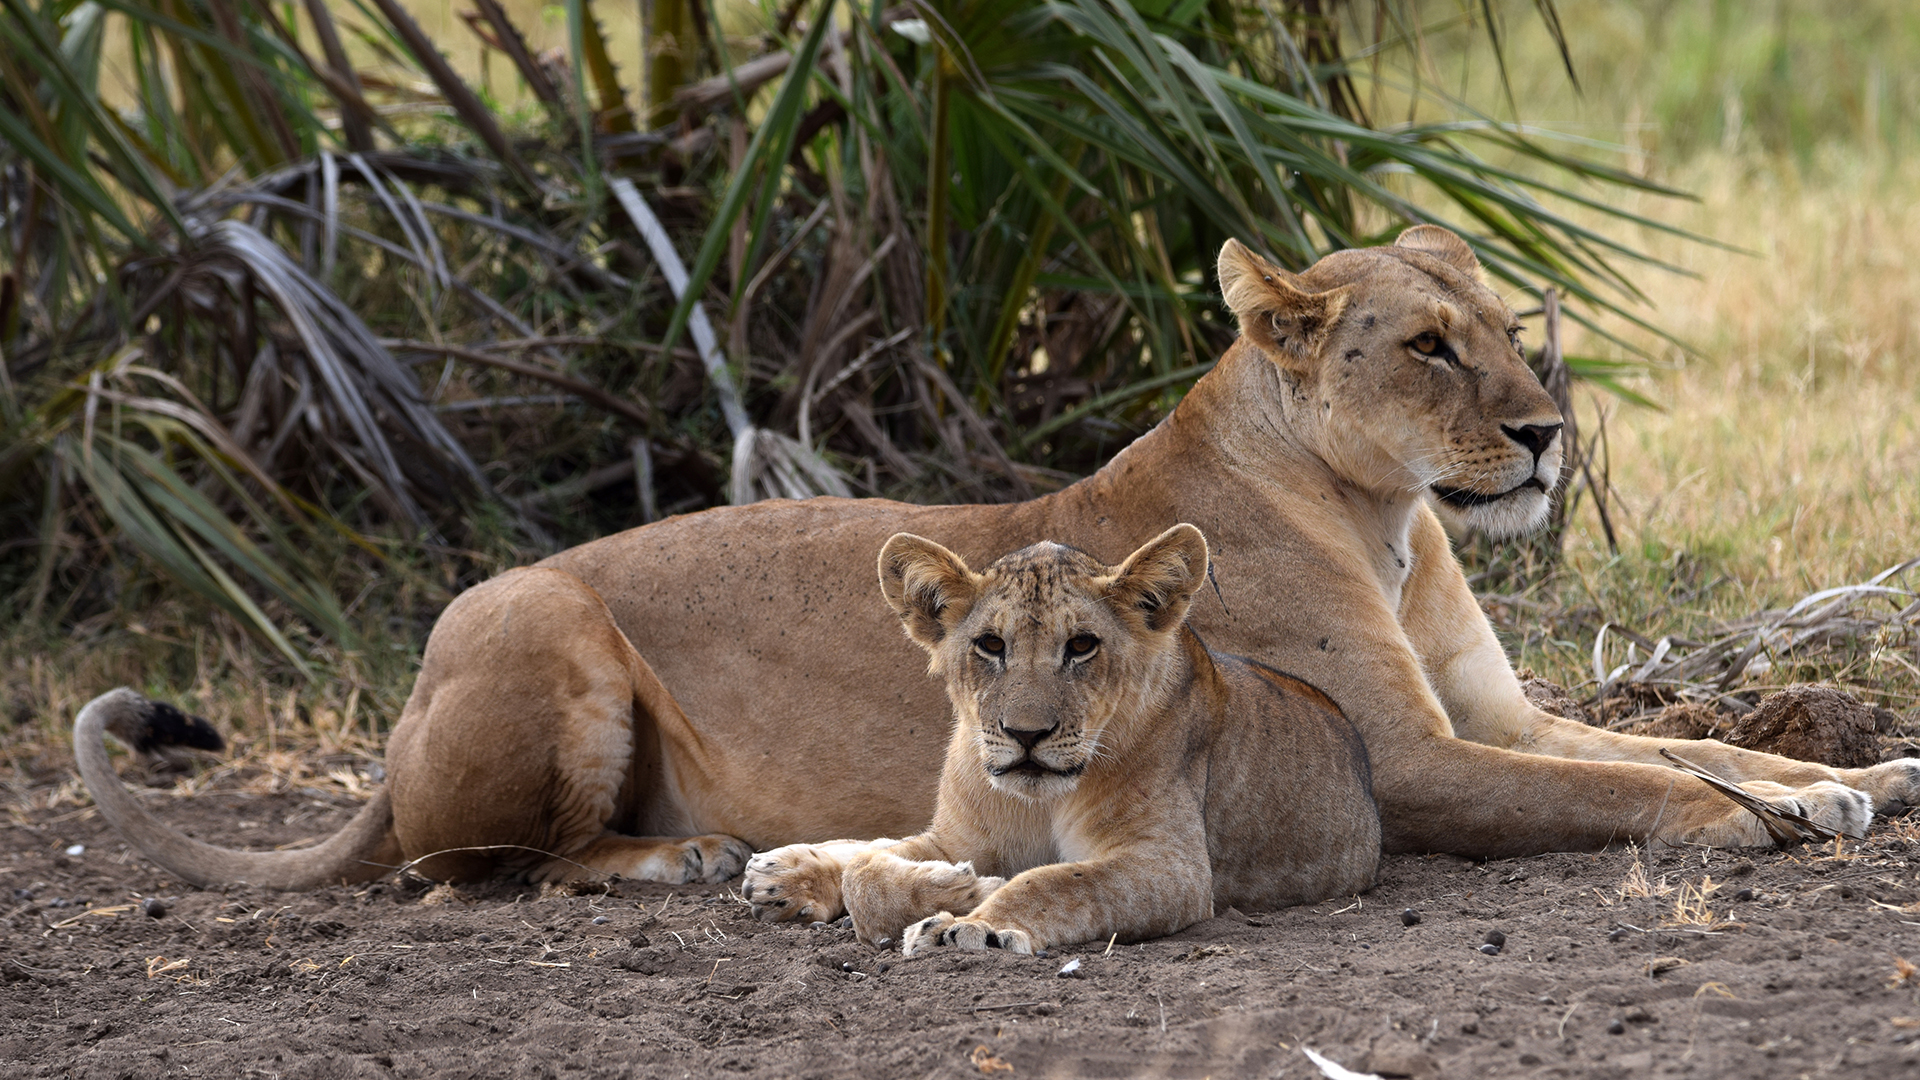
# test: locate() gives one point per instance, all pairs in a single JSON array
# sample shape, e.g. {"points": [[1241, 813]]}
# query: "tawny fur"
{"points": [[770, 681], [1122, 776]]}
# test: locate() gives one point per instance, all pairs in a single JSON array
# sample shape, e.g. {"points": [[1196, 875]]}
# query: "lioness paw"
{"points": [[799, 881], [1893, 785], [1832, 805], [966, 933], [714, 858]]}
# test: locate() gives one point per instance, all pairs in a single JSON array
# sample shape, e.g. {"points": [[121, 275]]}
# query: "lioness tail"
{"points": [[352, 854]]}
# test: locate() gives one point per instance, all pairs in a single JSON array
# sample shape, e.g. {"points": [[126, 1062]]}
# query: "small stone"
{"points": [[1618, 935], [601, 920], [844, 922], [1490, 949], [77, 849], [1496, 939], [1529, 1059], [1616, 1026], [1409, 917], [1743, 894], [1471, 1027], [816, 925], [154, 907], [882, 969], [1071, 969], [1546, 999], [883, 943], [846, 965]]}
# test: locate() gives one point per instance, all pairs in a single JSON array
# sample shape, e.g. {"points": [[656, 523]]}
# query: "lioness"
{"points": [[1131, 778], [1366, 396]]}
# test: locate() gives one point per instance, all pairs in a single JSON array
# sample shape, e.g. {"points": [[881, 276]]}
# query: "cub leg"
{"points": [[528, 741], [1131, 895], [884, 892]]}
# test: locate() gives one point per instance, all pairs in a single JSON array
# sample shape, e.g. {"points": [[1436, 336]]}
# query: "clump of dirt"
{"points": [[1815, 723], [1685, 720], [1811, 723], [1551, 697]]}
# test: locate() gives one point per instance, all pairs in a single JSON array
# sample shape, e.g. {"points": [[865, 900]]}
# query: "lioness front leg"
{"points": [[1065, 903]]}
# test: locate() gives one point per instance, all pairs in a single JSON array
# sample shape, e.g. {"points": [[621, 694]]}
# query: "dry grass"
{"points": [[1791, 441], [1785, 457]]}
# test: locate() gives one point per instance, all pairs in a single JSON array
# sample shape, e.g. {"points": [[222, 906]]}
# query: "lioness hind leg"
{"points": [[671, 859], [528, 744]]}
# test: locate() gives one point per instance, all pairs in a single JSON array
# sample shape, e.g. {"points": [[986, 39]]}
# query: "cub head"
{"points": [[1404, 371], [1048, 649]]}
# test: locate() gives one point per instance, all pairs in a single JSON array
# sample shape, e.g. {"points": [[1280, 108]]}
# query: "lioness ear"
{"points": [[1442, 244], [929, 587], [1157, 583], [1287, 322]]}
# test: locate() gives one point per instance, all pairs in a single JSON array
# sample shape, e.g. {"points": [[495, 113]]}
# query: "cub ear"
{"points": [[1287, 322], [1442, 244], [1156, 584], [929, 587]]}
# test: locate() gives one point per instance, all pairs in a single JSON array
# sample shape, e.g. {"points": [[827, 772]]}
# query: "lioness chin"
{"points": [[643, 704], [1125, 778]]}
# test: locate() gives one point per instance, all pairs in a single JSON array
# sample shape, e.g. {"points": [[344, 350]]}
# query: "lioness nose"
{"points": [[1535, 437], [1028, 737]]}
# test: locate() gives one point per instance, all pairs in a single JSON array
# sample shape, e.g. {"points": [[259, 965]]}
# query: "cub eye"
{"points": [[990, 645], [1513, 337], [1081, 646]]}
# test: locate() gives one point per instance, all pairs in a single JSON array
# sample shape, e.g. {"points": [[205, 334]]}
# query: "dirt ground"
{"points": [[1623, 964]]}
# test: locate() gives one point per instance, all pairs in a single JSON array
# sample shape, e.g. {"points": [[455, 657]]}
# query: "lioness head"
{"points": [[1044, 650], [1411, 368]]}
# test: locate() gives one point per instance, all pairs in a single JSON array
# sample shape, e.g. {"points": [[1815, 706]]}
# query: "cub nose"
{"points": [[1535, 437], [1028, 737]]}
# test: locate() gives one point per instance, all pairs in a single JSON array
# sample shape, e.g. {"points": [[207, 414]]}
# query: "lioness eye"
{"points": [[1081, 646], [990, 644], [1427, 344]]}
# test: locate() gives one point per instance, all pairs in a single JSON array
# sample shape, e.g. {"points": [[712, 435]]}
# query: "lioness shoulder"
{"points": [[1090, 765]]}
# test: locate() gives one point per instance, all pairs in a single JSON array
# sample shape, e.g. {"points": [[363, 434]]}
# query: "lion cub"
{"points": [[1123, 777]]}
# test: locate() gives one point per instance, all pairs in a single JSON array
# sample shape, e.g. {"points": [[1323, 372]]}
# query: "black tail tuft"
{"points": [[164, 725]]}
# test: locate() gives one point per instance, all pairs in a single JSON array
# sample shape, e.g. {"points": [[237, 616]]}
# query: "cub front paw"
{"points": [[799, 881], [966, 933]]}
